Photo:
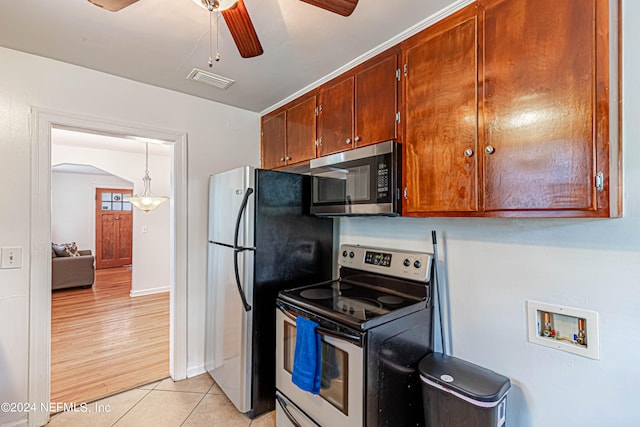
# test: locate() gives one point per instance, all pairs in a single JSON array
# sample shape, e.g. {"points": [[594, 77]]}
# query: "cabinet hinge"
{"points": [[398, 117], [316, 110], [404, 193], [600, 181], [319, 109], [316, 142], [398, 74], [405, 70]]}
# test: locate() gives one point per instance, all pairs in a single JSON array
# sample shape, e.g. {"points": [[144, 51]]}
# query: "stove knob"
{"points": [[344, 253], [344, 308], [351, 254], [417, 264], [406, 262], [351, 310]]}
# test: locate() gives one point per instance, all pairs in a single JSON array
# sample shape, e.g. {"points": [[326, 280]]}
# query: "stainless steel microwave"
{"points": [[363, 181]]}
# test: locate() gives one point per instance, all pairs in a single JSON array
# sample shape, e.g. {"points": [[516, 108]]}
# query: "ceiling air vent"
{"points": [[210, 79]]}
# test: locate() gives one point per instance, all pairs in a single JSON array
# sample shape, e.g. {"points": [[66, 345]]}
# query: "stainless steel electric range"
{"points": [[375, 324]]}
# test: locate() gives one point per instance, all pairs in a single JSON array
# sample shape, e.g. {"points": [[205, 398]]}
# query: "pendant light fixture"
{"points": [[145, 201]]}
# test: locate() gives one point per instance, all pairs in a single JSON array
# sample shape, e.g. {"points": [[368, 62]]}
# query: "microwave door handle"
{"points": [[283, 405], [237, 249]]}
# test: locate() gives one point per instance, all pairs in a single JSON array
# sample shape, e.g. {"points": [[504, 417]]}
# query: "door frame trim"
{"points": [[41, 122]]}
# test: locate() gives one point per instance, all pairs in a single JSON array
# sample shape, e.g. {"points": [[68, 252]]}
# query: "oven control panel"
{"points": [[398, 263]]}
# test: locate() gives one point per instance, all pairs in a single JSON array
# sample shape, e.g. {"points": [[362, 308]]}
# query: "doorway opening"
{"points": [[44, 122]]}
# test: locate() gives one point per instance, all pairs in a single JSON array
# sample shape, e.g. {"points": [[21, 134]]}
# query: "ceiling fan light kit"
{"points": [[112, 5]]}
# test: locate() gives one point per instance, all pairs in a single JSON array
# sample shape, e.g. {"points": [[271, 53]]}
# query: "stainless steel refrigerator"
{"points": [[261, 239]]}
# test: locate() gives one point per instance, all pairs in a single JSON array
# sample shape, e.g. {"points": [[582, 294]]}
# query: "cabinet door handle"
{"points": [[287, 158], [489, 149], [357, 139], [348, 141], [468, 152], [282, 159]]}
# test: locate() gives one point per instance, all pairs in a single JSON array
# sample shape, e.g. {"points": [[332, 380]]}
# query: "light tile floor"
{"points": [[196, 401]]}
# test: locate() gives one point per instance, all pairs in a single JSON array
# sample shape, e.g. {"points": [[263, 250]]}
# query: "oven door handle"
{"points": [[283, 405], [353, 339]]}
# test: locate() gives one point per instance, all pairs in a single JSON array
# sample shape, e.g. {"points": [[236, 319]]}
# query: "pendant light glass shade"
{"points": [[145, 201]]}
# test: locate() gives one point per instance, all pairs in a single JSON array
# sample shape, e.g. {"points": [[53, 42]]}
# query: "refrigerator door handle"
{"points": [[237, 249]]}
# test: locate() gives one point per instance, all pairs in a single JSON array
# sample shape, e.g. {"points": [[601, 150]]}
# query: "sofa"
{"points": [[72, 271]]}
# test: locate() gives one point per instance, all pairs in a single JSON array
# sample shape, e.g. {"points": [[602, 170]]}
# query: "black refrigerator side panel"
{"points": [[293, 248]]}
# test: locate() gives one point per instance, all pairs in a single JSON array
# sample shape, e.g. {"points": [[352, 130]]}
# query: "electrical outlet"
{"points": [[11, 258]]}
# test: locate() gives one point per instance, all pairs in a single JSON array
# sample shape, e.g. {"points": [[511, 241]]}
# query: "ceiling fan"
{"points": [[237, 18]]}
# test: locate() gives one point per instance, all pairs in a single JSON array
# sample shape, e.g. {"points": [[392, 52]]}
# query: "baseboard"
{"points": [[149, 291], [195, 371]]}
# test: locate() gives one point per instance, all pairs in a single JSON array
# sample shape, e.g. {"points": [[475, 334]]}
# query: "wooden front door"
{"points": [[113, 228]]}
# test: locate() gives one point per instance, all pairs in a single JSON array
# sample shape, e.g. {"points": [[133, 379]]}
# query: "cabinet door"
{"points": [[440, 139], [301, 131], [274, 140], [376, 102], [539, 101], [335, 117]]}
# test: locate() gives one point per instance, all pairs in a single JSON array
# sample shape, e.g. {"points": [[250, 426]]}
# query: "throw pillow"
{"points": [[66, 249], [59, 250]]}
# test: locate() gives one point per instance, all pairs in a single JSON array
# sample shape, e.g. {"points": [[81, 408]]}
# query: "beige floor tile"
{"points": [[266, 420], [216, 410], [200, 384], [161, 409], [216, 389], [151, 386], [104, 412]]}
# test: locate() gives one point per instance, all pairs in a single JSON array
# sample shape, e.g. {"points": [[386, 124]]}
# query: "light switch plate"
{"points": [[11, 258]]}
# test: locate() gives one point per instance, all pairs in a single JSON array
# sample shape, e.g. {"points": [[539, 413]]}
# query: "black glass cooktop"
{"points": [[357, 304]]}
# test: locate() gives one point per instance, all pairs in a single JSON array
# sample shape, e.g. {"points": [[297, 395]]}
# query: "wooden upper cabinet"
{"points": [[440, 110], [508, 112], [301, 131], [274, 140], [359, 108], [335, 117], [376, 101], [540, 104]]}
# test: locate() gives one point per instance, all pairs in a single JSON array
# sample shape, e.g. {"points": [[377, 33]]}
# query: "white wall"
{"points": [[151, 250], [73, 206], [492, 266], [219, 138]]}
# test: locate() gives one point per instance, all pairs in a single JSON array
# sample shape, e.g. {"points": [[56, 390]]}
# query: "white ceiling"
{"points": [[160, 41]]}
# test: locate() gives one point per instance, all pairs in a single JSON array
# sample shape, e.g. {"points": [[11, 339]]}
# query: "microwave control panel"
{"points": [[383, 180]]}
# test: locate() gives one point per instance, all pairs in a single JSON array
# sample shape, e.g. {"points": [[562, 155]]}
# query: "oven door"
{"points": [[363, 181], [340, 402]]}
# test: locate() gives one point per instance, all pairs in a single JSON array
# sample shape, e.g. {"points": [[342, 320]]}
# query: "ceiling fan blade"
{"points": [[341, 7], [242, 31], [112, 5]]}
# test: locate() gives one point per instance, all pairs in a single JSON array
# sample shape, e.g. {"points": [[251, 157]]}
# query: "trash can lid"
{"points": [[465, 378]]}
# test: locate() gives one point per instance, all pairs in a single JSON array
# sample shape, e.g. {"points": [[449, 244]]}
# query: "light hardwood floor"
{"points": [[103, 341]]}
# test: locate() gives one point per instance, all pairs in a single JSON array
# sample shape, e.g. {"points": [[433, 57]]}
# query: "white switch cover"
{"points": [[11, 257]]}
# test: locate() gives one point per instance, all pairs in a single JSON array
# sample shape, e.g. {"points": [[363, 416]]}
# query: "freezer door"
{"points": [[226, 193], [228, 331]]}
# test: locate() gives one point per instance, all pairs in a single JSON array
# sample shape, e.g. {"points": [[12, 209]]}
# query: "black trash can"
{"points": [[459, 393]]}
